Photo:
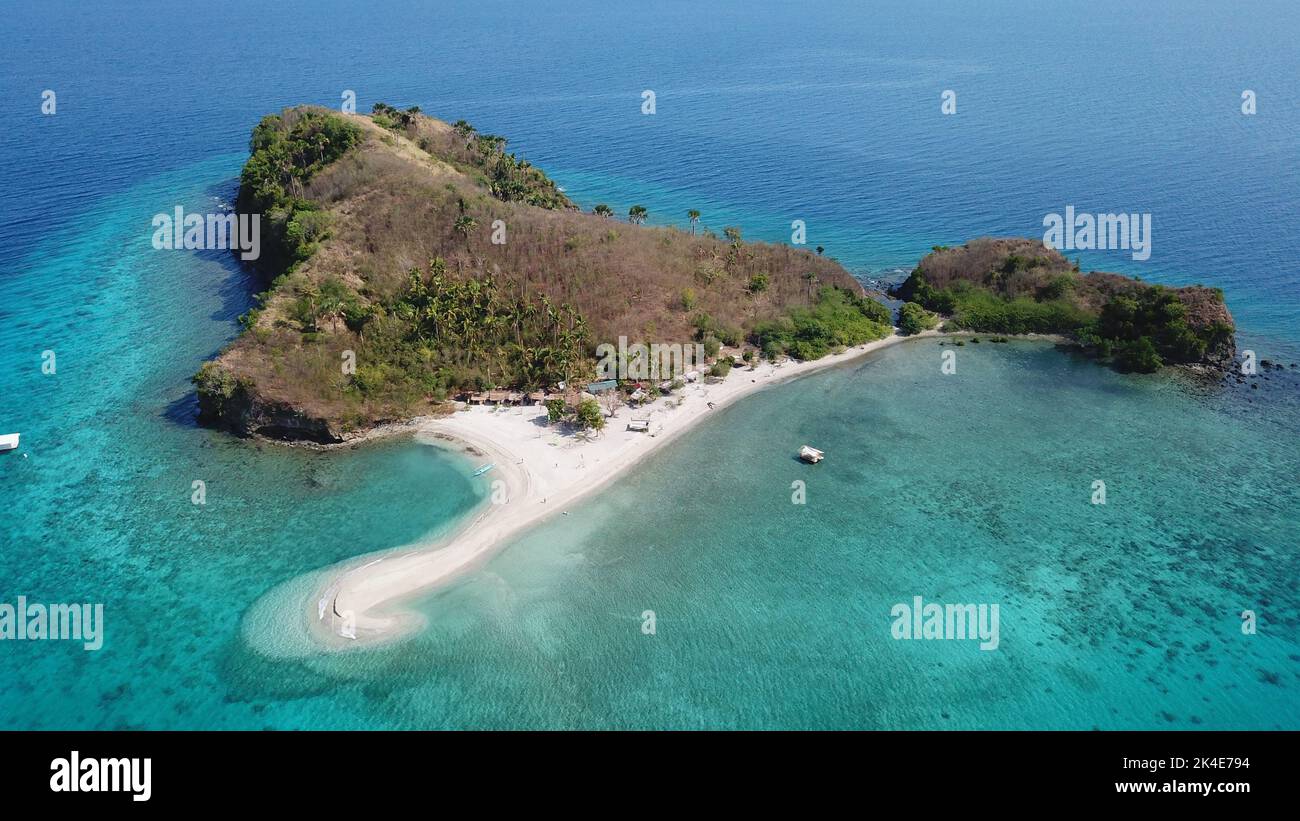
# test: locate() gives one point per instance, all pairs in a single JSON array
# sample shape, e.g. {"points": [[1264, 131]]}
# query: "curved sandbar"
{"points": [[543, 472]]}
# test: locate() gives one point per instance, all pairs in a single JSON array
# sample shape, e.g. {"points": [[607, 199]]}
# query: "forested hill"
{"points": [[1018, 286], [437, 261]]}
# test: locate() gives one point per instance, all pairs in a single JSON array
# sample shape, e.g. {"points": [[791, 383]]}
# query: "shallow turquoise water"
{"points": [[972, 487], [967, 487], [100, 509]]}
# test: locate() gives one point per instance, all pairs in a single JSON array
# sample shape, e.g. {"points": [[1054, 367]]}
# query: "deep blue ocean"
{"points": [[973, 488]]}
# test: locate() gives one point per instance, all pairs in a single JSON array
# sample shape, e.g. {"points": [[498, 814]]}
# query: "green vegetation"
{"points": [[218, 384], [508, 178], [1017, 287], [1140, 330], [589, 415], [839, 319], [912, 319], [512, 179], [464, 224], [1149, 328], [976, 308], [286, 152], [555, 409], [714, 334], [332, 300], [479, 333], [1138, 355], [348, 334], [586, 416], [391, 118]]}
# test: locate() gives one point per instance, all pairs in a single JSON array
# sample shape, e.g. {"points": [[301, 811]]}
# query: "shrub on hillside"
{"points": [[912, 319]]}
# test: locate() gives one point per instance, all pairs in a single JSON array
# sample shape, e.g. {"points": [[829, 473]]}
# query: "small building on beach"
{"points": [[502, 397]]}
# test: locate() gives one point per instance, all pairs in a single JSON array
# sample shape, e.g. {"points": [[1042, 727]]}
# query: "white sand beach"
{"points": [[539, 471]]}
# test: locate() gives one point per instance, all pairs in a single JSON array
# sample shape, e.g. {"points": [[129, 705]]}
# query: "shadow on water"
{"points": [[237, 290], [183, 411]]}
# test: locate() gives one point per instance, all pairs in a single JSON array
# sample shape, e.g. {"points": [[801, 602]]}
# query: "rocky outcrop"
{"points": [[234, 404], [1205, 310]]}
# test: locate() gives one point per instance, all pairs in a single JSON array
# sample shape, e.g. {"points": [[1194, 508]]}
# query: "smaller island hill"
{"points": [[410, 263], [1017, 286]]}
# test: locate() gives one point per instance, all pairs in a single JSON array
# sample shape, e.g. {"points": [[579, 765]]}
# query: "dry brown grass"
{"points": [[393, 208]]}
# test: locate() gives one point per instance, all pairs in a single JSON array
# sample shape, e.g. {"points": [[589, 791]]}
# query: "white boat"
{"points": [[483, 470], [9, 441], [811, 455]]}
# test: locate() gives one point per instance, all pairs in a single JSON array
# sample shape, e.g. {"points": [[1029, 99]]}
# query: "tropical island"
{"points": [[420, 277], [437, 265], [1017, 286], [410, 262]]}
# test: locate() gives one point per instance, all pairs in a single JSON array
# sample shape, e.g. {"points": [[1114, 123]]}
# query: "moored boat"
{"points": [[811, 455]]}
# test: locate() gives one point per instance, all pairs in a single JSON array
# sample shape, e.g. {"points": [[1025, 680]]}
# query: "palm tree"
{"points": [[464, 224], [310, 298], [331, 298], [603, 210], [637, 214], [811, 278], [694, 217]]}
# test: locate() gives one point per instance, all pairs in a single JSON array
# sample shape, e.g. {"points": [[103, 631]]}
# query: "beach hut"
{"points": [[574, 398], [537, 397], [478, 397]]}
